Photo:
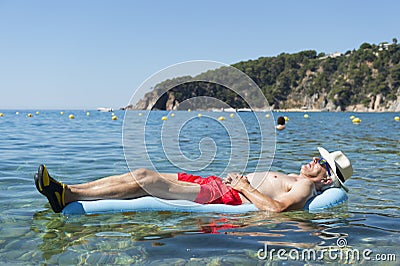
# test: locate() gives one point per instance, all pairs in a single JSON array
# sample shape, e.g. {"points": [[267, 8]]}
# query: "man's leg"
{"points": [[138, 183], [113, 187], [135, 184]]}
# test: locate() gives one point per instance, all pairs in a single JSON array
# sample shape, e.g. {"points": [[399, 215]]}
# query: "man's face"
{"points": [[313, 169]]}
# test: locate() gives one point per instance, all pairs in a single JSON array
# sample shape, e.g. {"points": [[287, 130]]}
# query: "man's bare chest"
{"points": [[272, 184]]}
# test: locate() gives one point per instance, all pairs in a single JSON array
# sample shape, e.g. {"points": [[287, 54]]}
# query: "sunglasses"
{"points": [[325, 164]]}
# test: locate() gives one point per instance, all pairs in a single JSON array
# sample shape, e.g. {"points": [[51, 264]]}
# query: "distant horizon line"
{"points": [[33, 110], [55, 109]]}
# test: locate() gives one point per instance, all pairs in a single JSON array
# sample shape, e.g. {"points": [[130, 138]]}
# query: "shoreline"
{"points": [[289, 110]]}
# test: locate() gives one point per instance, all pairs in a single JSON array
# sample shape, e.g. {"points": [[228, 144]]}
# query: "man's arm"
{"points": [[294, 199]]}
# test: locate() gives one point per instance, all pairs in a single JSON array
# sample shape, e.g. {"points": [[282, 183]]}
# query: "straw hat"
{"points": [[340, 165]]}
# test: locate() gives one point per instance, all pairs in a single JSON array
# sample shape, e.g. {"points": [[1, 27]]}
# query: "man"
{"points": [[280, 123], [270, 191]]}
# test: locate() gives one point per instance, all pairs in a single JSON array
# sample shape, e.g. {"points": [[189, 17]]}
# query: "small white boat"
{"points": [[230, 110], [105, 109], [244, 110]]}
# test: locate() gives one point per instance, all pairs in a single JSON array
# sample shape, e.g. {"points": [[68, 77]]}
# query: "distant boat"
{"points": [[244, 110], [105, 109], [223, 110]]}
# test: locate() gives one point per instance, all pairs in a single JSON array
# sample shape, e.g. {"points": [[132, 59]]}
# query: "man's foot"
{"points": [[51, 188]]}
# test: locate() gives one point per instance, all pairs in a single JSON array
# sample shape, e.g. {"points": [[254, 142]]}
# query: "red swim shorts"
{"points": [[212, 190]]}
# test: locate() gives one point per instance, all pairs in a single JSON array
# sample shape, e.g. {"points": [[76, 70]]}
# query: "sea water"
{"points": [[365, 230]]}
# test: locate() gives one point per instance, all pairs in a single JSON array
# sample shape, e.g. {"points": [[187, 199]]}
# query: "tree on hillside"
{"points": [[365, 46]]}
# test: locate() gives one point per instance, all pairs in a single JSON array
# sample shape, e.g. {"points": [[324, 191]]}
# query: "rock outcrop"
{"points": [[295, 101]]}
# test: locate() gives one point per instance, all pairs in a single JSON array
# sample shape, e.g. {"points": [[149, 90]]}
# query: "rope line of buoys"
{"points": [[199, 115], [354, 119], [71, 116]]}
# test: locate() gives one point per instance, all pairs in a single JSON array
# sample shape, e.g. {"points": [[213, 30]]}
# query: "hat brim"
{"points": [[327, 156]]}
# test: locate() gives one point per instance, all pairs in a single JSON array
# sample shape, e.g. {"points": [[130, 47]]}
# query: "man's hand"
{"points": [[237, 181]]}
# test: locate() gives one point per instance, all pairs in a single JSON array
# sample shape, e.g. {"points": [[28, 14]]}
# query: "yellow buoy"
{"points": [[88, 113], [199, 115], [71, 116], [221, 118], [189, 110], [286, 118], [114, 117], [1, 114], [172, 114], [352, 117], [267, 115], [164, 118], [306, 116], [396, 118], [29, 115], [356, 120], [17, 113], [140, 114], [232, 115], [61, 113], [38, 113]]}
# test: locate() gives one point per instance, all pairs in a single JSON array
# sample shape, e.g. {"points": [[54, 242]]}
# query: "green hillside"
{"points": [[347, 79], [368, 76]]}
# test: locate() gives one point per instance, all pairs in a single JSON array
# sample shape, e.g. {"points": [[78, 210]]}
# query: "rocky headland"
{"points": [[362, 80]]}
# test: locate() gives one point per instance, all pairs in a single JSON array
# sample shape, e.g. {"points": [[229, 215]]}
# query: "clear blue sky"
{"points": [[89, 54]]}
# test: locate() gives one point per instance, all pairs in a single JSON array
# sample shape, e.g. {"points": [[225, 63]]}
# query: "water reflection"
{"points": [[110, 238]]}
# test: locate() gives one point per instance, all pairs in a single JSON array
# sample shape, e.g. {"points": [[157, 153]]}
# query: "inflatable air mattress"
{"points": [[329, 198]]}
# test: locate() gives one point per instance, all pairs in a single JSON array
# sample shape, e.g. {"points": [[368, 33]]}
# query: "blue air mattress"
{"points": [[329, 198]]}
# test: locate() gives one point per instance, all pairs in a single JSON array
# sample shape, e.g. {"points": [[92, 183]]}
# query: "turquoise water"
{"points": [[90, 147]]}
